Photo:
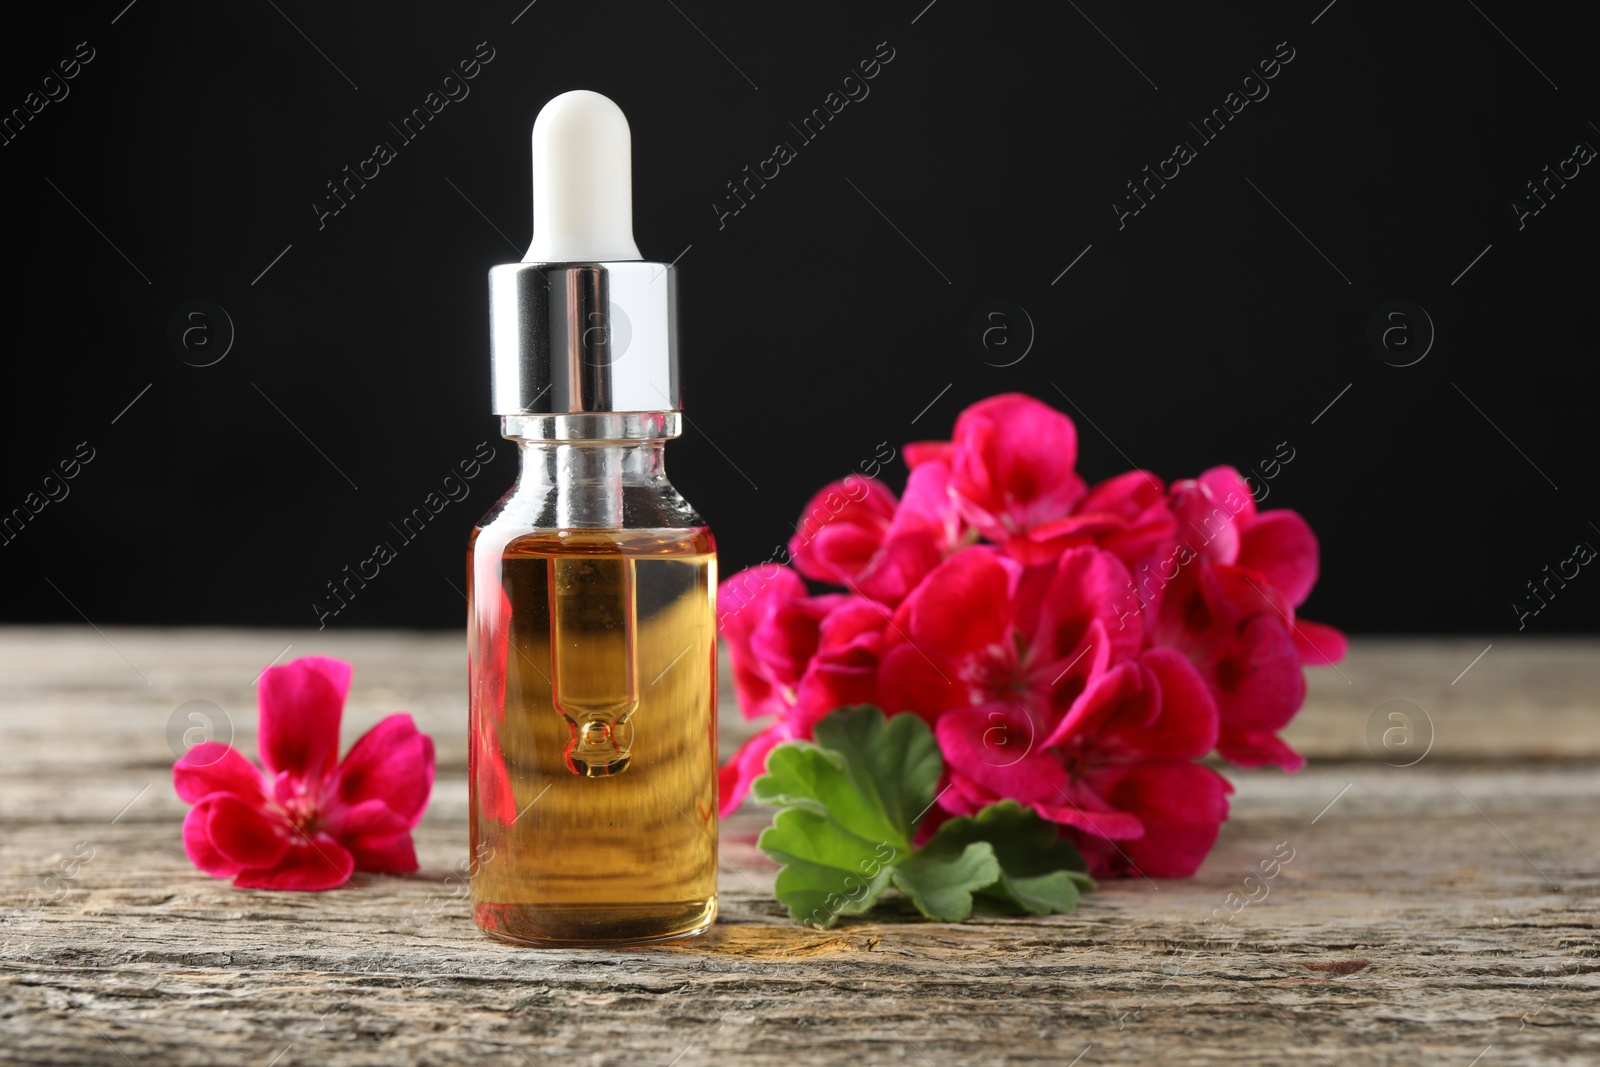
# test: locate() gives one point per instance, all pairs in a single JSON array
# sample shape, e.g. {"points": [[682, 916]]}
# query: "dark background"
{"points": [[1207, 330]]}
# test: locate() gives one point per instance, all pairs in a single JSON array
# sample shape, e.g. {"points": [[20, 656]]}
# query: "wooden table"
{"points": [[1430, 914]]}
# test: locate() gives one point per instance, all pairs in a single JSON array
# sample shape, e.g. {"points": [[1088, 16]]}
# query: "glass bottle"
{"points": [[592, 583]]}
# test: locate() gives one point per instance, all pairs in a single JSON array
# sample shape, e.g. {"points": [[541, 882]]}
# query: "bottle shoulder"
{"points": [[632, 543], [658, 506], [655, 519]]}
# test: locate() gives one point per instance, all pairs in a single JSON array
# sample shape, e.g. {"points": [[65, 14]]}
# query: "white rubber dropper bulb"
{"points": [[582, 182]]}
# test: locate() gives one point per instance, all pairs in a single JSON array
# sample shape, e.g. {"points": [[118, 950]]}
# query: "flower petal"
{"points": [[1257, 681], [960, 608], [1246, 655], [246, 835], [748, 764], [1086, 584], [961, 796], [393, 763], [1244, 748], [1319, 645], [1182, 807], [916, 453], [927, 501], [1042, 544], [369, 819], [746, 603], [908, 680], [1012, 464], [844, 670], [841, 529], [320, 863], [999, 747], [1086, 810], [197, 844], [212, 767], [1280, 546], [1211, 511], [1187, 728], [1126, 495], [926, 528], [1231, 488], [1121, 700], [1139, 500], [396, 854], [301, 703]]}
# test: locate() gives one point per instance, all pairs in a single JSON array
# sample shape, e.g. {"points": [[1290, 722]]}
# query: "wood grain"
{"points": [[1433, 913]]}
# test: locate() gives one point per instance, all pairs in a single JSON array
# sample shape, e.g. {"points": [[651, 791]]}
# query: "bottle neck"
{"points": [[583, 485], [596, 471]]}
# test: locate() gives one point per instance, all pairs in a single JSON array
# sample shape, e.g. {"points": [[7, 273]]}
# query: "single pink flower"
{"points": [[926, 530], [309, 821], [983, 629], [771, 635], [1126, 515], [795, 658], [862, 539], [1011, 461], [1218, 520], [1228, 602], [1134, 519], [1117, 768], [841, 529]]}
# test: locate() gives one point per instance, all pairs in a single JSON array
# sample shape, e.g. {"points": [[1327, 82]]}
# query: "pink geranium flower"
{"points": [[308, 821], [1230, 607], [795, 658], [1012, 477], [841, 529], [1117, 767], [983, 629], [1081, 660], [855, 534], [1127, 515], [1011, 461]]}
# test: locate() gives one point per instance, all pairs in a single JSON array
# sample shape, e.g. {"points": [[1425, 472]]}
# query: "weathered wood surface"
{"points": [[1432, 914]]}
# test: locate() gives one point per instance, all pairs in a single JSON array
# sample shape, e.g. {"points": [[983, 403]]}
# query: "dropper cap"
{"points": [[583, 324], [582, 182]]}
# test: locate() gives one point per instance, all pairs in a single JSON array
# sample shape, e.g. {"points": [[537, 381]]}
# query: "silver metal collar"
{"points": [[567, 338]]}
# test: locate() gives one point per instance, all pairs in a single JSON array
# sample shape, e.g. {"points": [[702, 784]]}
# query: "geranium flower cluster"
{"points": [[1075, 648]]}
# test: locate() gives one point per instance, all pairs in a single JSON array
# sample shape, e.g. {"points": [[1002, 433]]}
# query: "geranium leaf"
{"points": [[834, 838], [1055, 893], [1040, 872], [895, 761], [941, 878], [801, 775], [851, 802], [846, 877]]}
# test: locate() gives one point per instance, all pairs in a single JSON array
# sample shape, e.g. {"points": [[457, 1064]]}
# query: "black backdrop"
{"points": [[1380, 163]]}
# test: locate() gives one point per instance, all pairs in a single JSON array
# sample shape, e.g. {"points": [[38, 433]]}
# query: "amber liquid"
{"points": [[593, 718]]}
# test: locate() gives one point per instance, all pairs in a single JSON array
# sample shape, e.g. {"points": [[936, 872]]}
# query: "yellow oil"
{"points": [[593, 719]]}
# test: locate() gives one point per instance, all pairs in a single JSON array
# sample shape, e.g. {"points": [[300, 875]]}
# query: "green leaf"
{"points": [[941, 878], [1040, 872], [835, 838], [800, 775], [851, 803], [895, 761]]}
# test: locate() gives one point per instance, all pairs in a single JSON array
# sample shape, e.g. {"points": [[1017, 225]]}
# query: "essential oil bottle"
{"points": [[592, 583]]}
